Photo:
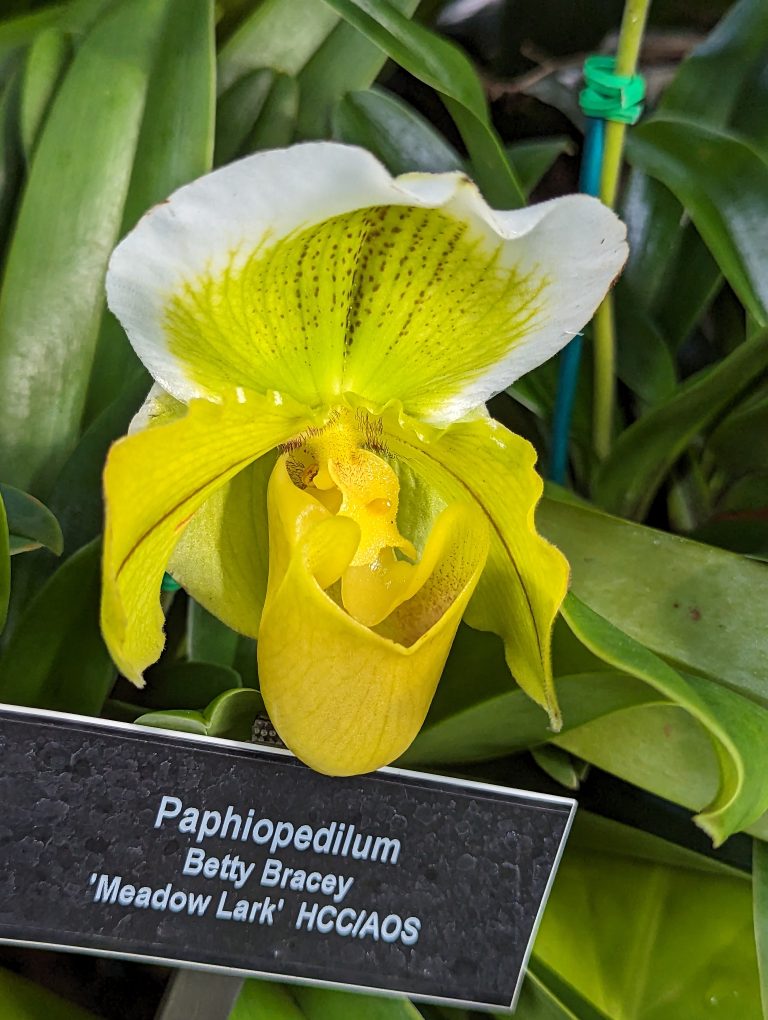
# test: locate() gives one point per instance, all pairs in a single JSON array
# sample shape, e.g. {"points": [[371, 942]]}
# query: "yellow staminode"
{"points": [[323, 337]]}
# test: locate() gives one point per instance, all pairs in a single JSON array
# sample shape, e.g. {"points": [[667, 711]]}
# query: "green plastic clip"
{"points": [[611, 96]]}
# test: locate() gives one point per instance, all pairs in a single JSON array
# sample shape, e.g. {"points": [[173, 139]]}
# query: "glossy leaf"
{"points": [[30, 523], [325, 1004], [760, 912], [11, 158], [693, 280], [642, 455], [266, 999], [46, 61], [175, 145], [643, 359], [230, 715], [391, 129], [208, 638], [641, 939], [279, 34], [723, 184], [735, 724], [475, 716], [546, 996], [55, 657], [674, 596], [346, 61], [53, 285], [437, 62]]}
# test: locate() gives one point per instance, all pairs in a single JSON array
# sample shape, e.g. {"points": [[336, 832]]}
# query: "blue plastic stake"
{"points": [[570, 357]]}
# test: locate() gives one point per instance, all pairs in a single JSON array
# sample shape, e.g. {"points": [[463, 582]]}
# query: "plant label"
{"points": [[163, 847]]}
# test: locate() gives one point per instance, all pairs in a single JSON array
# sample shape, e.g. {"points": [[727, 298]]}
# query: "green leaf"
{"points": [[5, 564], [187, 685], [545, 996], [642, 939], [392, 130], [208, 639], [760, 911], [643, 359], [324, 1004], [693, 280], [276, 125], [683, 600], [531, 160], [440, 64], [25, 1000], [629, 477], [558, 765], [735, 725], [46, 62], [11, 158], [265, 999], [230, 715], [485, 719], [30, 522], [55, 657], [708, 84], [237, 112], [67, 225], [279, 34], [346, 61], [723, 184], [737, 441], [175, 146]]}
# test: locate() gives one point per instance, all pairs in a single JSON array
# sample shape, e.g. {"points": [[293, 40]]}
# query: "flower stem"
{"points": [[630, 40]]}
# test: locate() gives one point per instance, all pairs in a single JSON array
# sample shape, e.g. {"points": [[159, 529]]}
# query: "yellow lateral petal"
{"points": [[344, 698], [526, 578], [154, 481]]}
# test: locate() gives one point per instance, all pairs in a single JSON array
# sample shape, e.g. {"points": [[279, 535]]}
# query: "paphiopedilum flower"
{"points": [[323, 338]]}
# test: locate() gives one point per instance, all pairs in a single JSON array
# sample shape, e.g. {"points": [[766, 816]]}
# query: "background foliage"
{"points": [[108, 105]]}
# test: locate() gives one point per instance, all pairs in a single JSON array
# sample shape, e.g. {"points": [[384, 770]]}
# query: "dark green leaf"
{"points": [[683, 600], [708, 84], [346, 61], [439, 63], [55, 657], [279, 34], [531, 160], [401, 138], [46, 62], [31, 523], [723, 184], [208, 639], [693, 280], [558, 765], [175, 145], [52, 294], [11, 158], [187, 685], [237, 112], [627, 480], [276, 126], [643, 360], [230, 715], [738, 442]]}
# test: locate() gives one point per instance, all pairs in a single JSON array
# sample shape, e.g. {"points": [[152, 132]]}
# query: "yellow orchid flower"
{"points": [[323, 338]]}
